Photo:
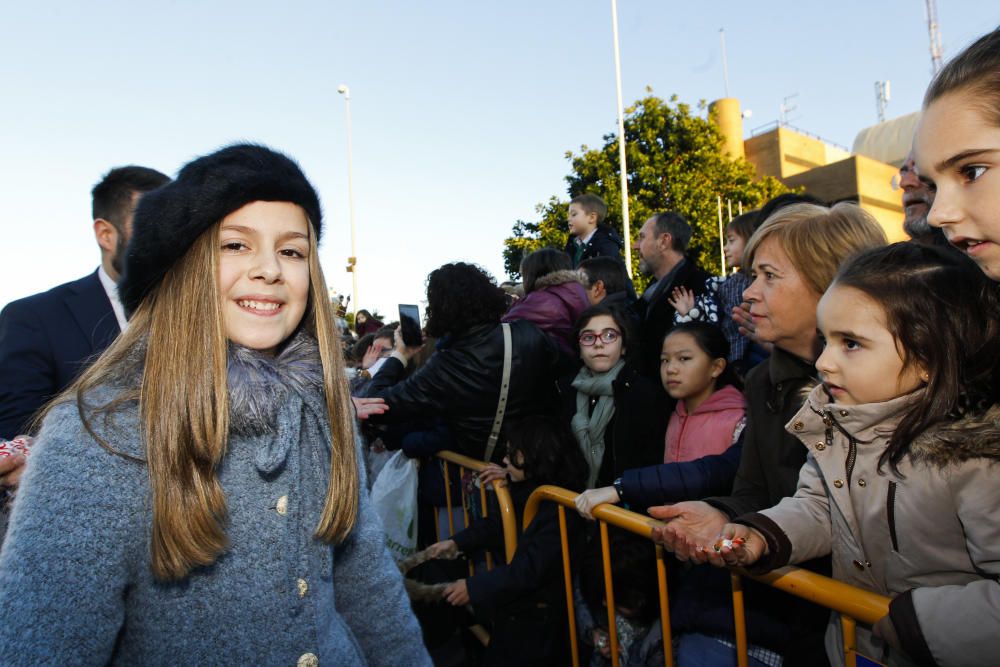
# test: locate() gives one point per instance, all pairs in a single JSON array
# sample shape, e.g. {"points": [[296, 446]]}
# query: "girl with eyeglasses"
{"points": [[617, 416], [700, 455]]}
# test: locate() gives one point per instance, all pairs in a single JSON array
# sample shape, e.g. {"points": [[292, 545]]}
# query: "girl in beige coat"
{"points": [[902, 482]]}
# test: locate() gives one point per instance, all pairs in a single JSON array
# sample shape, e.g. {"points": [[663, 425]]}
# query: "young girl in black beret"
{"points": [[196, 494]]}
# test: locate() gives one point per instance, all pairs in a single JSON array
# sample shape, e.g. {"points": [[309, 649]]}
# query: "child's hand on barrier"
{"points": [[682, 299], [690, 524], [446, 549], [591, 498], [736, 546], [493, 472], [457, 593]]}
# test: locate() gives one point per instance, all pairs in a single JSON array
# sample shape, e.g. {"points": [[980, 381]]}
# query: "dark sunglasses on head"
{"points": [[608, 336]]}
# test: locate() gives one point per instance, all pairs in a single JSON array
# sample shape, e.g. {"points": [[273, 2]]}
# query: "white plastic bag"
{"points": [[394, 497]]}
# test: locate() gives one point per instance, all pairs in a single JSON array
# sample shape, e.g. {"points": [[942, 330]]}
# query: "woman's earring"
{"points": [[925, 377]]}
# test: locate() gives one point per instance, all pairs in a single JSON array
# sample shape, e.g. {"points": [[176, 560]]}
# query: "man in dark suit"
{"points": [[661, 244], [47, 339]]}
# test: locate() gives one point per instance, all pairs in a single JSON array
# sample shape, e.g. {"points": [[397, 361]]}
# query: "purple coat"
{"points": [[554, 306]]}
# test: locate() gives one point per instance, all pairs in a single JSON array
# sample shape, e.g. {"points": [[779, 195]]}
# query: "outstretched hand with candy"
{"points": [[738, 546]]}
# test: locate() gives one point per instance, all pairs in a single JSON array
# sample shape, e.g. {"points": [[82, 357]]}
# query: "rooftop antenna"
{"points": [[785, 108], [725, 61], [935, 36], [881, 98]]}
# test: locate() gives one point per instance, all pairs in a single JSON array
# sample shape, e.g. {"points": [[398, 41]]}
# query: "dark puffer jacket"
{"points": [[553, 306], [461, 384], [606, 242]]}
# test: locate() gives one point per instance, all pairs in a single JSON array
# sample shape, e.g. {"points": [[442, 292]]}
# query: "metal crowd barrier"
{"points": [[853, 604], [507, 516]]}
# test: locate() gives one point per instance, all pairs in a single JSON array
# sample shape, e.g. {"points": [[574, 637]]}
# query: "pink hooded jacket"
{"points": [[707, 430]]}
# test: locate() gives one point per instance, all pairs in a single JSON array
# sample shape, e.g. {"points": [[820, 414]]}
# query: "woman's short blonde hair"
{"points": [[817, 239]]}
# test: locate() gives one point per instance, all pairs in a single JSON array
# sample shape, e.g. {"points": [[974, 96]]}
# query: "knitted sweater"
{"points": [[75, 580]]}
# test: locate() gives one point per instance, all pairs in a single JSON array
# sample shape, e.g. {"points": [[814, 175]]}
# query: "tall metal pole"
{"points": [[725, 61], [352, 261], [934, 33], [621, 140], [722, 237]]}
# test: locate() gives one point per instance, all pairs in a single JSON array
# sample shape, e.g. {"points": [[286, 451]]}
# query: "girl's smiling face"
{"points": [[263, 273], [958, 150]]}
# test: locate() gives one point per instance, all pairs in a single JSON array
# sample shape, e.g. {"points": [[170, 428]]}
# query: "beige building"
{"points": [[867, 175]]}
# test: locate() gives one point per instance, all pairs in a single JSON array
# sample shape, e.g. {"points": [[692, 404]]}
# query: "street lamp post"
{"points": [[621, 141], [352, 260]]}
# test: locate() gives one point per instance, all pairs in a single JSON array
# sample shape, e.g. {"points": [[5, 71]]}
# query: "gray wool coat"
{"points": [[75, 579], [929, 537]]}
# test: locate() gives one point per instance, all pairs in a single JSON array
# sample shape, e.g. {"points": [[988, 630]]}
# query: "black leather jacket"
{"points": [[461, 384]]}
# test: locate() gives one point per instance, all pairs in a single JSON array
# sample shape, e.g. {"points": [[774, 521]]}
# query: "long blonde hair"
{"points": [[184, 407]]}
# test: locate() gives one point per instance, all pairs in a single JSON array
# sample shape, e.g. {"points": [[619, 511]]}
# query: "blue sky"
{"points": [[462, 111]]}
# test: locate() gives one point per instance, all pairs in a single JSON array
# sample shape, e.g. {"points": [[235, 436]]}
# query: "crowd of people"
{"points": [[190, 436]]}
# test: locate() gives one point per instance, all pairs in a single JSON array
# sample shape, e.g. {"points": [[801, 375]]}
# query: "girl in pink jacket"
{"points": [[704, 429], [710, 409]]}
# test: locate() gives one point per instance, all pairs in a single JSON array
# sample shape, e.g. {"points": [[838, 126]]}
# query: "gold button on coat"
{"points": [[798, 426], [838, 483], [282, 506], [820, 446], [308, 660], [844, 413], [303, 587], [862, 482]]}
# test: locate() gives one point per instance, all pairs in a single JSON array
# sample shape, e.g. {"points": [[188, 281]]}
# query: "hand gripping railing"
{"points": [[853, 604], [507, 517]]}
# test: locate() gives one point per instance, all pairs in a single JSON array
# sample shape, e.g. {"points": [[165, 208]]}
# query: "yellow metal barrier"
{"points": [[854, 604], [507, 516]]}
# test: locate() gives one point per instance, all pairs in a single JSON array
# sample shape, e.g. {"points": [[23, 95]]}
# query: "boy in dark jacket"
{"points": [[588, 235]]}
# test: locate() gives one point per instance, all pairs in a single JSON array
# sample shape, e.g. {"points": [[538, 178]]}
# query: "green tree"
{"points": [[674, 162]]}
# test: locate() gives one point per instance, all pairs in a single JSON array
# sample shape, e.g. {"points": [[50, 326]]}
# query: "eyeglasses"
{"points": [[608, 336]]}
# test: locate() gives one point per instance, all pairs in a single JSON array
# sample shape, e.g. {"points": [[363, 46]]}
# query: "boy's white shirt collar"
{"points": [[111, 289], [586, 239]]}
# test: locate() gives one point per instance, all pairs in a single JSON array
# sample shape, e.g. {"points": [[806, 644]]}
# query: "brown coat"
{"points": [[928, 537]]}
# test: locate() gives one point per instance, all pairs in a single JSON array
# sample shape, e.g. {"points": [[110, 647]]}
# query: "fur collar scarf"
{"points": [[561, 278], [971, 437], [258, 383]]}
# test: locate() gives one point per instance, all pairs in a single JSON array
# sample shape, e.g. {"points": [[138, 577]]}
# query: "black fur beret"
{"points": [[169, 219]]}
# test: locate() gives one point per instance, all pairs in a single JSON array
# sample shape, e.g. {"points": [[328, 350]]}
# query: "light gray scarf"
{"points": [[589, 427]]}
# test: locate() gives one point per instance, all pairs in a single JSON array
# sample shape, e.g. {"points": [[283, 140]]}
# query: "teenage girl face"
{"points": [[782, 304], [687, 372], [733, 249], [264, 273], [958, 150], [861, 362], [601, 356]]}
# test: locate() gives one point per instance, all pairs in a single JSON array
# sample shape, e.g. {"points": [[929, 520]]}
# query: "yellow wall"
{"points": [[830, 174]]}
